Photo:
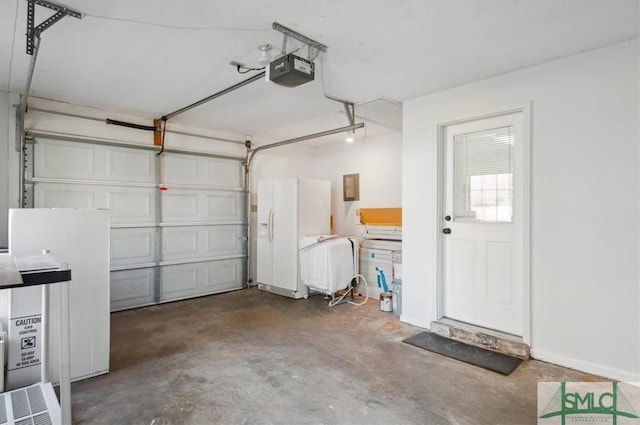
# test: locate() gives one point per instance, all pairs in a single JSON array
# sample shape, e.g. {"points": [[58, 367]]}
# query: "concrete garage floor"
{"points": [[250, 357]]}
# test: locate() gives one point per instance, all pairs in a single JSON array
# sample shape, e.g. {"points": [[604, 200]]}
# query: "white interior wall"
{"points": [[378, 161], [585, 200]]}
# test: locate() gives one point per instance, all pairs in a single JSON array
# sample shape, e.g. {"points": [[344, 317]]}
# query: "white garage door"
{"points": [[180, 243]]}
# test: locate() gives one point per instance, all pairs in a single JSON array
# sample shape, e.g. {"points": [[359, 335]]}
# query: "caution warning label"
{"points": [[25, 336]]}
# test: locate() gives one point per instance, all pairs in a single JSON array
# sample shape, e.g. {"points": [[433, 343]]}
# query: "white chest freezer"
{"points": [[327, 264]]}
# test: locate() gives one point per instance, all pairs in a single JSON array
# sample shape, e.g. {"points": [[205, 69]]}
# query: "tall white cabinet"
{"points": [[79, 237], [288, 210]]}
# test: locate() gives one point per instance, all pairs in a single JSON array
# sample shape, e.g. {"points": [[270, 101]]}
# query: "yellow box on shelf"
{"points": [[381, 216]]}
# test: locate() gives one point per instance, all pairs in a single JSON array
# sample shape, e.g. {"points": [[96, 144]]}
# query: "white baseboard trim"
{"points": [[585, 366]]}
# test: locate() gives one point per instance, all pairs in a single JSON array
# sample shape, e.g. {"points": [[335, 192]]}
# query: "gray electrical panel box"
{"points": [[291, 70]]}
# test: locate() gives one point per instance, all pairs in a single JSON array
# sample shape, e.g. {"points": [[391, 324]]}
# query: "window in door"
{"points": [[483, 176]]}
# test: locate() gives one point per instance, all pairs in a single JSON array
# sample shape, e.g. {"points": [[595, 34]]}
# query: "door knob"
{"points": [[446, 231], [447, 218]]}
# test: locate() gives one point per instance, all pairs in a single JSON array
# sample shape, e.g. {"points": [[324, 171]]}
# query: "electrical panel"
{"points": [[291, 70]]}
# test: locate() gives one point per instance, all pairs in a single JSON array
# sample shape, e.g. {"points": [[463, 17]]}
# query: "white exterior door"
{"points": [[483, 223]]}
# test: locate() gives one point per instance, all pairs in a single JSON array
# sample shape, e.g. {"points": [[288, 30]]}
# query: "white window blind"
{"points": [[483, 175]]}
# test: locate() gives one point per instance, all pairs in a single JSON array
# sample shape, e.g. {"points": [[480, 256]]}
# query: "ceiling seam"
{"points": [[177, 27]]}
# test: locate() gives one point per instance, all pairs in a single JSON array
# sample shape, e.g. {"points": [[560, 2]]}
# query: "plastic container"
{"points": [[386, 302]]}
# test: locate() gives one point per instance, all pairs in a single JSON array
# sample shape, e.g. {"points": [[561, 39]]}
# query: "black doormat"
{"points": [[477, 356]]}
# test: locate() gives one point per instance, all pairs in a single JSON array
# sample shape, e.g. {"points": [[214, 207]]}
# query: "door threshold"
{"points": [[490, 339]]}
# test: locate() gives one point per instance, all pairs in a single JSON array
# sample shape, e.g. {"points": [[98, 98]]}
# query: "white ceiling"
{"points": [[149, 58]]}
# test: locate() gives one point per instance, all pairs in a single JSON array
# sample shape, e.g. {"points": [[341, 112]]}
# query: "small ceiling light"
{"points": [[349, 139], [265, 57]]}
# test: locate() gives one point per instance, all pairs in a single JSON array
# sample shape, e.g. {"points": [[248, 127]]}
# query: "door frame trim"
{"points": [[525, 237]]}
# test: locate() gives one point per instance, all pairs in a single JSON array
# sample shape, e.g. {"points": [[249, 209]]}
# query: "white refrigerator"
{"points": [[288, 210]]}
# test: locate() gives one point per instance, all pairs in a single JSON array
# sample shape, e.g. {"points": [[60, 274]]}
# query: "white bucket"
{"points": [[386, 302]]}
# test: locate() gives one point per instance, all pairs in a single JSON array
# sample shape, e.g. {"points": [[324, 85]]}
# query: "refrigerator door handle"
{"points": [[270, 225]]}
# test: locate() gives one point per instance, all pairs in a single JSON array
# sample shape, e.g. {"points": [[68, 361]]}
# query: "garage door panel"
{"points": [[55, 196], [132, 246], [179, 169], [189, 280], [132, 288], [188, 206], [224, 275], [224, 240], [64, 160], [178, 206], [81, 161], [180, 281], [224, 173], [131, 205], [135, 205], [127, 165], [180, 243], [226, 206], [202, 171]]}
